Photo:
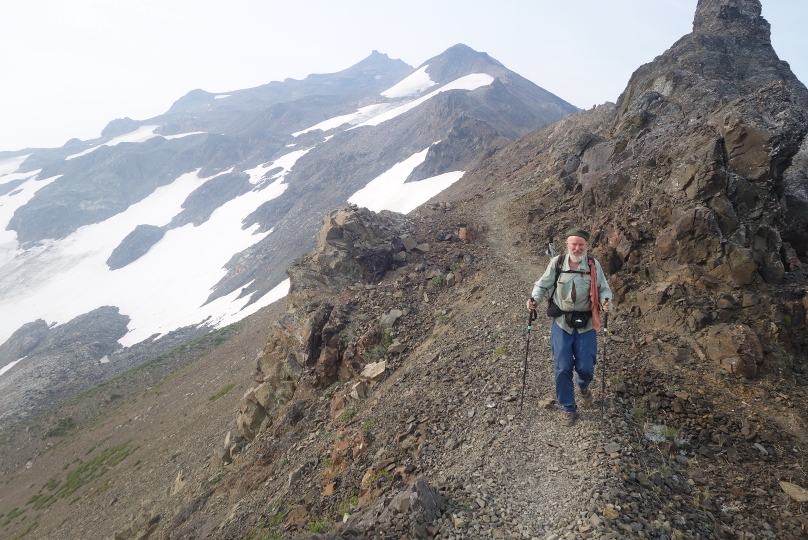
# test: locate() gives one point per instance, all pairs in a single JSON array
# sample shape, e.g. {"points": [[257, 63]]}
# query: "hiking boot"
{"points": [[568, 418], [586, 397]]}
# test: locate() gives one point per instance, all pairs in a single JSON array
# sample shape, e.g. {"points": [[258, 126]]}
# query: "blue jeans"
{"points": [[572, 351]]}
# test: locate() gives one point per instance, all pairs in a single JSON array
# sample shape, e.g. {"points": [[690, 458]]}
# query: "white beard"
{"points": [[577, 258]]}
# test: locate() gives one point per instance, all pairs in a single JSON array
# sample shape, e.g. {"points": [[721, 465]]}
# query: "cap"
{"points": [[578, 232]]}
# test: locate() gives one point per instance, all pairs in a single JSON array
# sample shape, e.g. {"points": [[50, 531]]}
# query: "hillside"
{"points": [[383, 398], [121, 248]]}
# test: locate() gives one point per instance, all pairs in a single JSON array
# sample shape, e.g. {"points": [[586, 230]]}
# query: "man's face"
{"points": [[576, 245]]}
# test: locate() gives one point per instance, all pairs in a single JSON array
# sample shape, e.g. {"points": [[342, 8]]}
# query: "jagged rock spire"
{"points": [[739, 17]]}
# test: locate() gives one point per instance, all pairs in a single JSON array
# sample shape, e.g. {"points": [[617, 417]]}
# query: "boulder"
{"points": [[396, 347], [772, 268], [735, 347], [359, 390], [738, 268], [408, 242], [652, 297], [389, 319], [692, 239], [374, 372], [420, 502], [251, 415]]}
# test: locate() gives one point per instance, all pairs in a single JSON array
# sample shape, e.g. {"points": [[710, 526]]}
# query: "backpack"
{"points": [[575, 319]]}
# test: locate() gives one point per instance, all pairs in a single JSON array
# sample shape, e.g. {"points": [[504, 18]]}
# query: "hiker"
{"points": [[576, 318]]}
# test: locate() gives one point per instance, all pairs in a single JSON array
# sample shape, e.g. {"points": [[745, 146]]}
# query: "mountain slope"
{"points": [[691, 442], [191, 218]]}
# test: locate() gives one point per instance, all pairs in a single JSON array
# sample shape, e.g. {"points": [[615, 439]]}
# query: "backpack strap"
{"points": [[558, 270]]}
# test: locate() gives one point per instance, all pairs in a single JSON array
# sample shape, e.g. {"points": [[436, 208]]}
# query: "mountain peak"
{"points": [[734, 17]]}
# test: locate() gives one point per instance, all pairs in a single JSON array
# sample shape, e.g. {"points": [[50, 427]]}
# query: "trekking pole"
{"points": [[603, 367], [530, 318]]}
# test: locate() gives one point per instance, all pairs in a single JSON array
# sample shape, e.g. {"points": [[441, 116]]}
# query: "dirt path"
{"points": [[543, 475]]}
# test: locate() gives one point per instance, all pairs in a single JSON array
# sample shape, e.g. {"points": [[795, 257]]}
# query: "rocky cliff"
{"points": [[693, 185]]}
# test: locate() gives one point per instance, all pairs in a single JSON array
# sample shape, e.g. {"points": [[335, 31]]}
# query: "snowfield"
{"points": [[163, 290], [413, 85], [361, 114], [286, 162], [389, 192], [8, 205], [469, 82], [141, 134], [373, 115], [10, 165], [166, 289]]}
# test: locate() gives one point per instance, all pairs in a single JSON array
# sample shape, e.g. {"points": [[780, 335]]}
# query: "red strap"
{"points": [[594, 298]]}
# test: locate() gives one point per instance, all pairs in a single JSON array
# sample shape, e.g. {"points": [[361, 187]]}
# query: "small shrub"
{"points": [[221, 392], [375, 354], [346, 415], [367, 424], [63, 427], [669, 432], [348, 504], [331, 390], [380, 475], [501, 350], [640, 411], [454, 266], [25, 531], [319, 526], [438, 280]]}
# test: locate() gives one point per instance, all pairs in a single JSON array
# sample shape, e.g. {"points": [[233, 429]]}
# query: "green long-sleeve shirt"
{"points": [[568, 281]]}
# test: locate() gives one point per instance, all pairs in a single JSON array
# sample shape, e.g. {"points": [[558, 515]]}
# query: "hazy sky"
{"points": [[68, 68]]}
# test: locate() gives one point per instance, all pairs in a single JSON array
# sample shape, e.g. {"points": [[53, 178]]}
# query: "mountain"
{"points": [[170, 226], [393, 394]]}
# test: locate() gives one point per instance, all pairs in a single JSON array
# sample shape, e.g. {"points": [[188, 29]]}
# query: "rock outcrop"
{"points": [[309, 345], [694, 183]]}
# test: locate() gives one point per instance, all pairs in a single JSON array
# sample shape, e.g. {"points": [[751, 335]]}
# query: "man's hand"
{"points": [[532, 305], [605, 306]]}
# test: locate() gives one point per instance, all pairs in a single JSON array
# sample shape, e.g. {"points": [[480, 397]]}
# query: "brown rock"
{"points": [[735, 347], [251, 415], [652, 297], [790, 259]]}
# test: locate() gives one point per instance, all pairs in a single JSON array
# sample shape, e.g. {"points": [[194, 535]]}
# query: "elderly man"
{"points": [[578, 288]]}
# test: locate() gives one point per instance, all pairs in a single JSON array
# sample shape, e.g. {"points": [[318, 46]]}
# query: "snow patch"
{"points": [[221, 96], [469, 82], [11, 365], [181, 135], [360, 115], [389, 192], [9, 203], [141, 134], [287, 161], [10, 165], [165, 289], [412, 85]]}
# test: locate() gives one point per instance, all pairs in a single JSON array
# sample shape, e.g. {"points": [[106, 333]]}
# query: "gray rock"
{"points": [[389, 319]]}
